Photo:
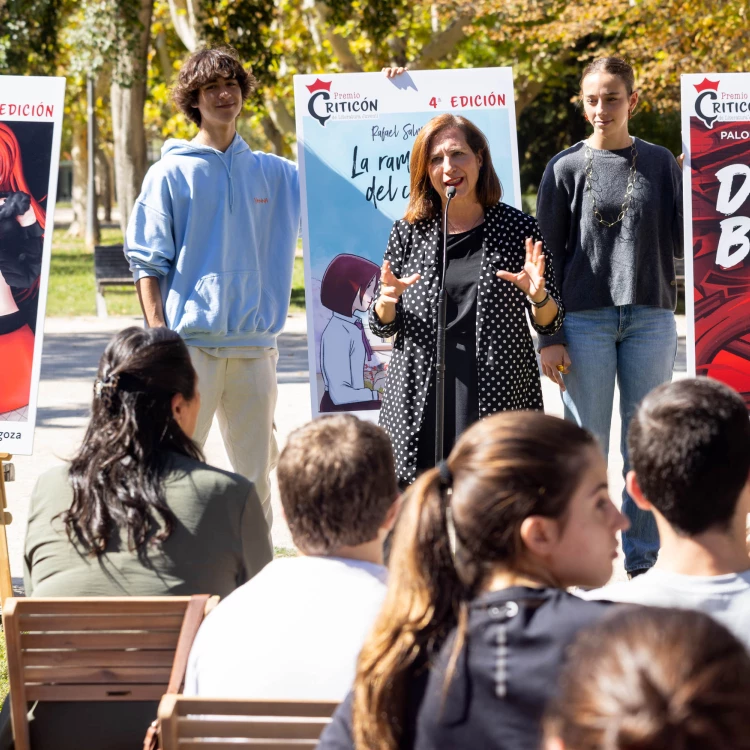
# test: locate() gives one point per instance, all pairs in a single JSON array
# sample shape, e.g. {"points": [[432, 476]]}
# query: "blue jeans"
{"points": [[637, 345]]}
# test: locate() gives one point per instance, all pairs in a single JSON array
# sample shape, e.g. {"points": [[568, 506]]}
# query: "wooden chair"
{"points": [[95, 649], [215, 723]]}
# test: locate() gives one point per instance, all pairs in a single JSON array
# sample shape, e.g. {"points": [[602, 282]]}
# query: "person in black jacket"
{"points": [[466, 650], [496, 272]]}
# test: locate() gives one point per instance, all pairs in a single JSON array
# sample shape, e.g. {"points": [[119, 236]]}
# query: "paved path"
{"points": [[72, 347]]}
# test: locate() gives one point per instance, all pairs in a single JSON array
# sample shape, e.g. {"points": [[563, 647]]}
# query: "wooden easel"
{"points": [[6, 585]]}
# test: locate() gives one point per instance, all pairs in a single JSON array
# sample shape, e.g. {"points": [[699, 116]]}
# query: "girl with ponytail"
{"points": [[466, 649], [653, 679]]}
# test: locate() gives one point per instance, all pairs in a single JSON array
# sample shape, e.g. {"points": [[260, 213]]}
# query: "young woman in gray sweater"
{"points": [[610, 210]]}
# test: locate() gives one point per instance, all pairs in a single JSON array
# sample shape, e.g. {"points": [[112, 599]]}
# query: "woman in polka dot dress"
{"points": [[496, 271]]}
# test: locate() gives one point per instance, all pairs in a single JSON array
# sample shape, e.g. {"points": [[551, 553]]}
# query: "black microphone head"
{"points": [[451, 191]]}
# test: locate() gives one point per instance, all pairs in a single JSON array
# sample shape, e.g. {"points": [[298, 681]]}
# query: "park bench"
{"points": [[105, 649], [195, 723], [111, 268]]}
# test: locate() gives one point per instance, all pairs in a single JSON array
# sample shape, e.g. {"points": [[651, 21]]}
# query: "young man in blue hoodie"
{"points": [[211, 244]]}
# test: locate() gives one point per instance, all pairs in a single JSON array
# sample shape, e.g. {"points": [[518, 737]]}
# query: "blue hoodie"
{"points": [[219, 230]]}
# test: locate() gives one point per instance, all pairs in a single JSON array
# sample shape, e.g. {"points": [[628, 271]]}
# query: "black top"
{"points": [[461, 401], [504, 677], [630, 263], [461, 279]]}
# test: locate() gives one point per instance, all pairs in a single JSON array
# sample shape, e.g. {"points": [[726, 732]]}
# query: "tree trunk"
{"points": [[275, 138], [164, 62], [80, 178], [444, 42], [186, 20], [127, 103], [281, 119], [104, 185], [339, 44]]}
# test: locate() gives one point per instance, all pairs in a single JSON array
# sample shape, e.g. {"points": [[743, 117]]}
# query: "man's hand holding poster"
{"points": [[355, 133], [716, 136]]}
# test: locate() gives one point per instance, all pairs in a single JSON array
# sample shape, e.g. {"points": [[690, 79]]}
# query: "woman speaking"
{"points": [[495, 271]]}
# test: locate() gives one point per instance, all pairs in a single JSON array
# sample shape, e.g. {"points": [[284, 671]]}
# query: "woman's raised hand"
{"points": [[393, 72], [531, 279], [392, 288]]}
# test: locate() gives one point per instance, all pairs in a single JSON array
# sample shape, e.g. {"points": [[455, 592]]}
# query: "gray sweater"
{"points": [[631, 263]]}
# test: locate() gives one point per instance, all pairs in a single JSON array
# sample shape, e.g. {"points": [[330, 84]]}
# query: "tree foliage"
{"points": [[29, 34], [547, 42]]}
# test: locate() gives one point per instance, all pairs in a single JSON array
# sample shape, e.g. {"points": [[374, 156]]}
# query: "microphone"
{"points": [[440, 349], [449, 193]]}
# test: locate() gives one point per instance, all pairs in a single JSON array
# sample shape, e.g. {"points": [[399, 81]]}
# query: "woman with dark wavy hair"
{"points": [[137, 511]]}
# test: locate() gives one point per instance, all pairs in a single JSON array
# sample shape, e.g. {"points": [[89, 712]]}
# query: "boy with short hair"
{"points": [[295, 630], [689, 445], [211, 245]]}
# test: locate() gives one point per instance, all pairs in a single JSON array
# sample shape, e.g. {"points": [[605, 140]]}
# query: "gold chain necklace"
{"points": [[589, 171]]}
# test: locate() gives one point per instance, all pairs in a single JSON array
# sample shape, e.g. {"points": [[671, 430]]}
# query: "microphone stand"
{"points": [[440, 354]]}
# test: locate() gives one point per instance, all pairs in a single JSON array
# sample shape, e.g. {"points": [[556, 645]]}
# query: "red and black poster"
{"points": [[716, 139], [31, 113]]}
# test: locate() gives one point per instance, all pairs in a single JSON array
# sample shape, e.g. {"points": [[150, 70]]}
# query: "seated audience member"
{"points": [[137, 512], [689, 446], [652, 679], [466, 650], [295, 630]]}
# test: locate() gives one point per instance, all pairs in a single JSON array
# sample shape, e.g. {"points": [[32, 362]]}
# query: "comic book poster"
{"points": [[716, 141], [354, 134], [31, 111]]}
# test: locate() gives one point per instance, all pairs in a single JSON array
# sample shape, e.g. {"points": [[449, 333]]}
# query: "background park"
{"points": [[131, 50]]}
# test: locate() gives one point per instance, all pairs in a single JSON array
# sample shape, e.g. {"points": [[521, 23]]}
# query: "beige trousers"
{"points": [[242, 394]]}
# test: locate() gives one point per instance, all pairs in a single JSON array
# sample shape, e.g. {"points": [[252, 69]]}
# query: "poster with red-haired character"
{"points": [[355, 133], [716, 141], [31, 111]]}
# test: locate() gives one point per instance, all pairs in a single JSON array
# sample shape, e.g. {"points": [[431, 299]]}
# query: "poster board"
{"points": [[31, 112], [354, 137], [716, 202]]}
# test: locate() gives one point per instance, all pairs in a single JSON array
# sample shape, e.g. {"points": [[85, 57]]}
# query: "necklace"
{"points": [[589, 171], [455, 230]]}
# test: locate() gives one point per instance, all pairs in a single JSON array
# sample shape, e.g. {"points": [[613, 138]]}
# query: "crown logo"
{"points": [[706, 85], [319, 86]]}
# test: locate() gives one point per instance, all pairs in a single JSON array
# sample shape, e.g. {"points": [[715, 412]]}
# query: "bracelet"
{"points": [[539, 304]]}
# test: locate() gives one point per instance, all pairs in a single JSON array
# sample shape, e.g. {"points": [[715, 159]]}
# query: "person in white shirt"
{"points": [[689, 445], [294, 632]]}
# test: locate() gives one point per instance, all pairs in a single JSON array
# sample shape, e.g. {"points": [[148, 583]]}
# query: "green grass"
{"points": [[72, 290], [297, 302], [284, 552], [71, 285]]}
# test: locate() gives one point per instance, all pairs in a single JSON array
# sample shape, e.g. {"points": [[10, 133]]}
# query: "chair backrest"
{"points": [[216, 723], [90, 649]]}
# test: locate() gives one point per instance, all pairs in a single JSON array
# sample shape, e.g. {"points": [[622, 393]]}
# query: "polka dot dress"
{"points": [[507, 371]]}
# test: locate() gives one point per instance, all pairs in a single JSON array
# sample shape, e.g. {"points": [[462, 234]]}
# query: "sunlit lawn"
{"points": [[72, 290]]}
